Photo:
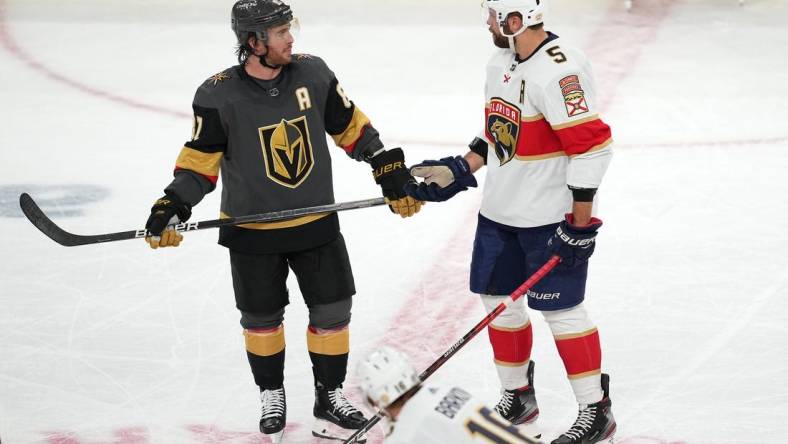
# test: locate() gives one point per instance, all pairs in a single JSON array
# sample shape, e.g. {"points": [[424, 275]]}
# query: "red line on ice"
{"points": [[7, 40]]}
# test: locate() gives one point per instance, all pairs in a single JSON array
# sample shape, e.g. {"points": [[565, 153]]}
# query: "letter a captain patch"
{"points": [[574, 96]]}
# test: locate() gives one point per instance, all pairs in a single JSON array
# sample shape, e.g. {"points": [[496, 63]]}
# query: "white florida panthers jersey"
{"points": [[451, 415], [544, 134]]}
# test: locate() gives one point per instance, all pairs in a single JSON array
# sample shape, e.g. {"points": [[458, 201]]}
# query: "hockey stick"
{"points": [[57, 234], [521, 290]]}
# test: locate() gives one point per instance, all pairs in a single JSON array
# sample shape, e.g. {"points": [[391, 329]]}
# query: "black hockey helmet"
{"points": [[258, 16]]}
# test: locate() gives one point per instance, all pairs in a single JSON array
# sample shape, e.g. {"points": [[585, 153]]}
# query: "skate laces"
{"points": [[340, 403], [273, 402], [583, 423], [505, 404]]}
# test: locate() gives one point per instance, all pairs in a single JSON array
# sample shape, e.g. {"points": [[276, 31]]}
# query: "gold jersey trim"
{"points": [[540, 156], [203, 163], [298, 221], [599, 147], [353, 130], [535, 118], [576, 122]]}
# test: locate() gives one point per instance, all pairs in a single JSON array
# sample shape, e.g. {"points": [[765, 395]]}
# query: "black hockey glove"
{"points": [[166, 212], [442, 179], [574, 244], [392, 176]]}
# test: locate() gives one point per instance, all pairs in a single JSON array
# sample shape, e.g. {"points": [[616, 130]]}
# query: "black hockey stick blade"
{"points": [[37, 217]]}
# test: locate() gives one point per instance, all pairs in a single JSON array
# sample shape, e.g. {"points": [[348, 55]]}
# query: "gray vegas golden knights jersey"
{"points": [[267, 140]]}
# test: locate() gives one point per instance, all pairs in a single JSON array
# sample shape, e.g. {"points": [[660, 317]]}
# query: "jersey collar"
{"points": [[550, 38]]}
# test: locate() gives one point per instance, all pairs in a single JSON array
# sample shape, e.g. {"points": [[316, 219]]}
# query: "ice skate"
{"points": [[274, 414], [594, 423], [335, 416], [519, 406]]}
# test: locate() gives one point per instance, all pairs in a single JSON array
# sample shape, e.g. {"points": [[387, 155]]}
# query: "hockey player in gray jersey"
{"points": [[261, 125], [428, 414]]}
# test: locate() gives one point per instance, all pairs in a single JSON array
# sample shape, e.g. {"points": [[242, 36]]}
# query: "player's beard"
{"points": [[279, 59], [499, 40]]}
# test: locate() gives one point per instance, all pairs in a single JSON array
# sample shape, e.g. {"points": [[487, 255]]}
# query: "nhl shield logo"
{"points": [[287, 151], [503, 127]]}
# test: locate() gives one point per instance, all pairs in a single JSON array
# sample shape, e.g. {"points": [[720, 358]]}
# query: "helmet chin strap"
{"points": [[265, 63], [511, 37], [262, 57]]}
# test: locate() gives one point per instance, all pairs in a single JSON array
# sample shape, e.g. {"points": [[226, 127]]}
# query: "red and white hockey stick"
{"points": [[521, 290]]}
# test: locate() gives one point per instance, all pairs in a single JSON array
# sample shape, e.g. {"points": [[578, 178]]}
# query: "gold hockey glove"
{"points": [[392, 175]]}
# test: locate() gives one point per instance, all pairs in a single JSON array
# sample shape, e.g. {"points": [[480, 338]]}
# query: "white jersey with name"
{"points": [[451, 415], [544, 134]]}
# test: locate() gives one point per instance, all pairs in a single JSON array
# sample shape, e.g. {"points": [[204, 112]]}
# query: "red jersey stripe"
{"points": [[212, 179], [582, 138]]}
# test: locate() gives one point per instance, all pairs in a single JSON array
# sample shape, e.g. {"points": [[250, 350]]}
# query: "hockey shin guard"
{"points": [[511, 337], [265, 349], [328, 350], [577, 340]]}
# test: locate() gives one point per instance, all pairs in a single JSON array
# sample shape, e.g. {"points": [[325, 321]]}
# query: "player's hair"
{"points": [[243, 50]]}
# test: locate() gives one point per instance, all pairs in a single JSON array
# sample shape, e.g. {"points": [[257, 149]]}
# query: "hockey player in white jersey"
{"points": [[428, 414], [546, 150]]}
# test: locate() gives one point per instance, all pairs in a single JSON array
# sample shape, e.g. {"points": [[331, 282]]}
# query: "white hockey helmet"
{"points": [[385, 375], [532, 11]]}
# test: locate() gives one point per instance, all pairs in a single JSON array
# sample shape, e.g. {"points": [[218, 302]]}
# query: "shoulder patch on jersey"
{"points": [[574, 96], [218, 78], [303, 56]]}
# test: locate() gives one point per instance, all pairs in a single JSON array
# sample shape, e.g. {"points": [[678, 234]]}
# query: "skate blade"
{"points": [[276, 438], [328, 430]]}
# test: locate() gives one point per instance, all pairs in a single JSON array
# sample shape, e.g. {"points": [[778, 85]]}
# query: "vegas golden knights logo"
{"points": [[287, 150], [503, 127]]}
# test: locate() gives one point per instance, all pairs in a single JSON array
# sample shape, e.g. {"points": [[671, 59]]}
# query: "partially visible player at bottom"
{"points": [[429, 414]]}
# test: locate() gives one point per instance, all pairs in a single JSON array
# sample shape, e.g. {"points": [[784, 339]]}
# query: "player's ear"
{"points": [[256, 44], [514, 22]]}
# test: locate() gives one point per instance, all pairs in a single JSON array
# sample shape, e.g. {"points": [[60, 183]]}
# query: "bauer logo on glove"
{"points": [[390, 173], [573, 243]]}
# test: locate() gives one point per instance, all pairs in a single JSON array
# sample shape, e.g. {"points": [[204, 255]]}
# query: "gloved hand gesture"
{"points": [[442, 179], [165, 214], [392, 176], [574, 244]]}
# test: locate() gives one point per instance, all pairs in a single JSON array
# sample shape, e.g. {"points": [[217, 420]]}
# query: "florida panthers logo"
{"points": [[287, 151], [503, 127]]}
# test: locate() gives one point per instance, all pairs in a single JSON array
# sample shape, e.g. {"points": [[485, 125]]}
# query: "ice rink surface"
{"points": [[119, 344]]}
